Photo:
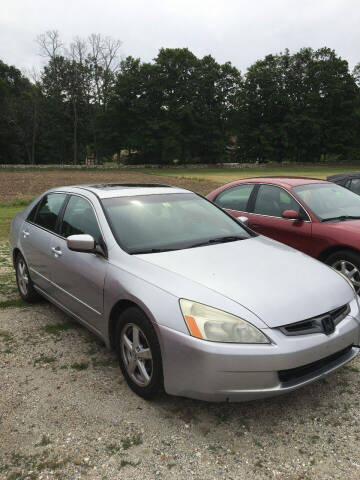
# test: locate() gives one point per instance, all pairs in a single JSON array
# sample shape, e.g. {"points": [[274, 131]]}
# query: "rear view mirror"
{"points": [[291, 215], [81, 243]]}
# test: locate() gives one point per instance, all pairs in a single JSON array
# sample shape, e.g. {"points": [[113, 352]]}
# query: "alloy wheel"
{"points": [[23, 277], [350, 271], [136, 354]]}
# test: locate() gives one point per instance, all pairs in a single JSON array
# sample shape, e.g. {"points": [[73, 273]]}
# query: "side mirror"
{"points": [[243, 220], [291, 215], [81, 243]]}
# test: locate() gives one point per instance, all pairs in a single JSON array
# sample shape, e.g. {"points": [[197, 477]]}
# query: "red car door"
{"points": [[266, 218]]}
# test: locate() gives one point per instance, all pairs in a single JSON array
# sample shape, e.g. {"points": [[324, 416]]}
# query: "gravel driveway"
{"points": [[66, 413]]}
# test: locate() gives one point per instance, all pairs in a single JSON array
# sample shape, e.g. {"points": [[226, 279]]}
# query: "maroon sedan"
{"points": [[317, 217]]}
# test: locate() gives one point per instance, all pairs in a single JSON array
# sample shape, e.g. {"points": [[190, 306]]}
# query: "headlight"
{"points": [[217, 326]]}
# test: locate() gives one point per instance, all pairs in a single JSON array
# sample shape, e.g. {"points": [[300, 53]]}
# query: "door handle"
{"points": [[56, 251], [26, 233]]}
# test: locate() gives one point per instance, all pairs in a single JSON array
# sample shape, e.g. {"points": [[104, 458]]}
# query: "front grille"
{"points": [[316, 324], [294, 375]]}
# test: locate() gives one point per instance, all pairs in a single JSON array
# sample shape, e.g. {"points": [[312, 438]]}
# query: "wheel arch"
{"points": [[337, 248], [119, 307], [16, 251]]}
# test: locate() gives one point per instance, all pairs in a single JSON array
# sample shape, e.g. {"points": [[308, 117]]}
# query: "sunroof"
{"points": [[120, 186]]}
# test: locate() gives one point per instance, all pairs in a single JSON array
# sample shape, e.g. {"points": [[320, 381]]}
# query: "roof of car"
{"points": [[342, 176], [284, 181], [111, 190]]}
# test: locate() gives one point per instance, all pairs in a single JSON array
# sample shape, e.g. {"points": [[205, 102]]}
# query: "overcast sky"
{"points": [[240, 31]]}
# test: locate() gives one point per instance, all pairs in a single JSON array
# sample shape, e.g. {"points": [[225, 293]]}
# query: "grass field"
{"points": [[224, 175], [7, 212], [19, 186]]}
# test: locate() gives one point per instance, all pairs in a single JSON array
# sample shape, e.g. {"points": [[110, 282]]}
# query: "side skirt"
{"points": [[71, 314]]}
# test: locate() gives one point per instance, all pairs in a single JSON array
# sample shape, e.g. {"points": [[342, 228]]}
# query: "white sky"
{"points": [[241, 31]]}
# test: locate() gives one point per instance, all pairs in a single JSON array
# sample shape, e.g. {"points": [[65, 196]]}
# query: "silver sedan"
{"points": [[193, 301]]}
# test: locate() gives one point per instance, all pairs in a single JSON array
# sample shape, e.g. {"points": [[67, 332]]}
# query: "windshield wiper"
{"points": [[341, 218], [229, 238], [153, 250]]}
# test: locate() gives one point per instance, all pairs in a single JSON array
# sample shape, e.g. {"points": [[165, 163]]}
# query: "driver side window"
{"points": [[79, 218], [272, 201]]}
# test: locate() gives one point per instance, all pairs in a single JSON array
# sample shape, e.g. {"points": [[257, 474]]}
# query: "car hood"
{"points": [[277, 283]]}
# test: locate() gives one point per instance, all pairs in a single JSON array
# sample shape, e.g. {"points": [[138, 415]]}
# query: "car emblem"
{"points": [[328, 324]]}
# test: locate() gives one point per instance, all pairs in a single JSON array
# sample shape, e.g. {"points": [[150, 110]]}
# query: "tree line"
{"points": [[88, 103]]}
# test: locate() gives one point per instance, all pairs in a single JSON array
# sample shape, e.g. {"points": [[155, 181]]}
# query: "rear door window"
{"points": [[31, 216], [48, 211], [355, 185], [235, 198]]}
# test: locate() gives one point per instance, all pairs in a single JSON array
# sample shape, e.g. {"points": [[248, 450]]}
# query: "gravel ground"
{"points": [[67, 413]]}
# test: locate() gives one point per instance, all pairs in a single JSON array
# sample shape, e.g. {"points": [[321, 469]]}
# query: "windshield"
{"points": [[329, 201], [147, 223]]}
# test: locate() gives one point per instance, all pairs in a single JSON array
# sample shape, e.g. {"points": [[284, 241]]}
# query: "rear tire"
{"points": [[139, 353], [24, 282], [347, 263]]}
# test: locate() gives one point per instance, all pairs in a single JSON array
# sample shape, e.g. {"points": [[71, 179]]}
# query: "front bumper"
{"points": [[231, 372]]}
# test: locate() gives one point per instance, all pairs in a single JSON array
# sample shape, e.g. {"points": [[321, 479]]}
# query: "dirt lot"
{"points": [[28, 184], [25, 184], [66, 412]]}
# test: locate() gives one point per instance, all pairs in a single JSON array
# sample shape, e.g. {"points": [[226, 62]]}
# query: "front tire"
{"points": [[347, 263], [24, 282], [139, 353]]}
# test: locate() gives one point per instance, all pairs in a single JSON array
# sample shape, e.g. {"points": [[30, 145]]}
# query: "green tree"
{"points": [[19, 105], [176, 108], [298, 107], [77, 84]]}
